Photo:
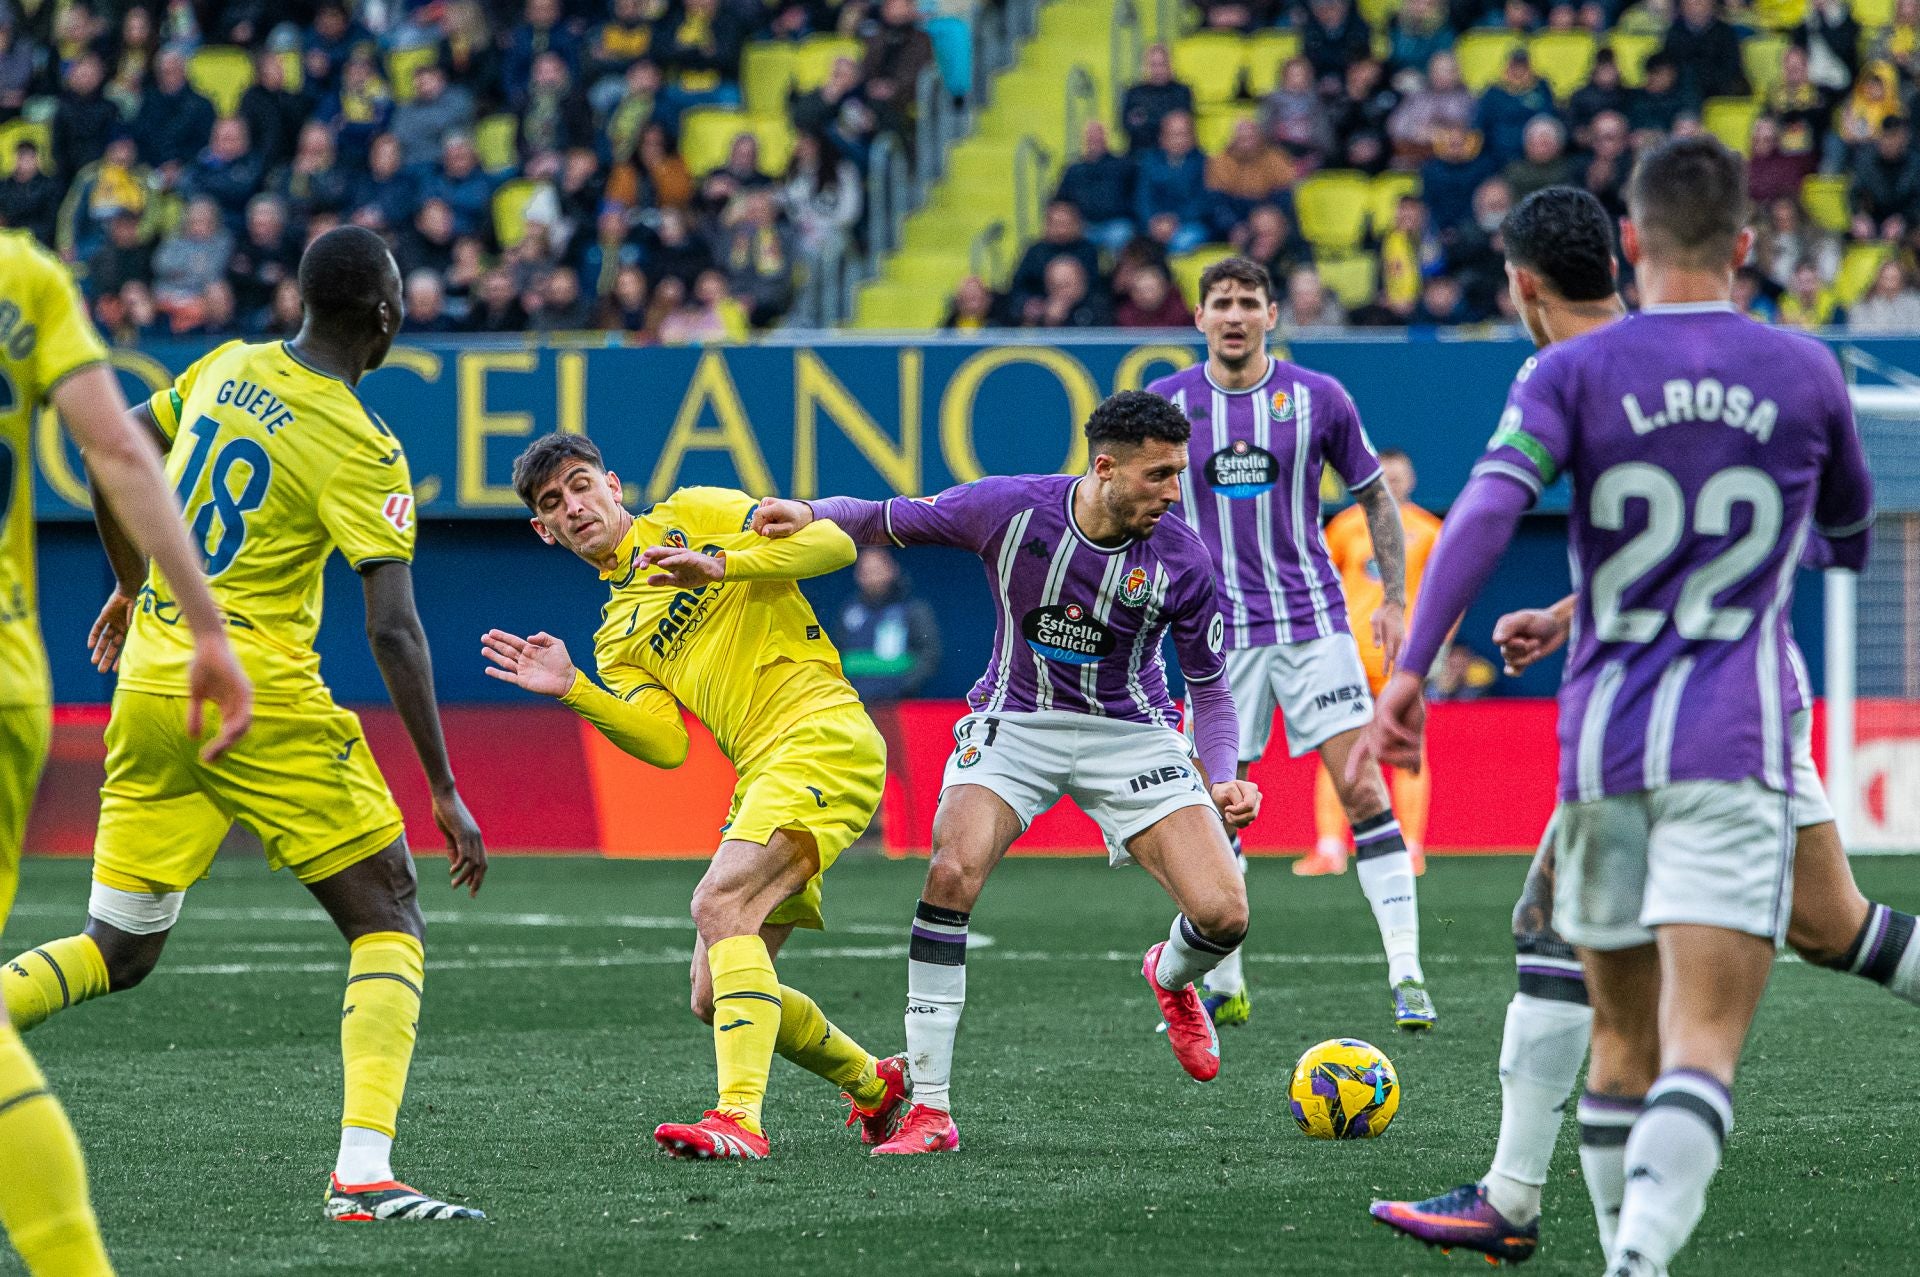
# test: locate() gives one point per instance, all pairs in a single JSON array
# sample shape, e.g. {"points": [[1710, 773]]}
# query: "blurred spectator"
{"points": [[1892, 305], [613, 250], [1408, 253], [568, 199], [313, 181], [124, 258], [386, 184], [1273, 241], [562, 308], [1151, 301], [1507, 106], [1416, 33], [708, 314], [740, 173], [971, 308], [142, 318], [677, 253], [228, 172], [1238, 15], [328, 44], [540, 30], [618, 44], [653, 175], [1808, 303], [193, 257], [1442, 304], [1443, 101], [273, 112], [1171, 188], [1246, 173], [1772, 173], [837, 109], [1156, 96], [889, 646], [16, 68], [1360, 116], [1608, 162], [897, 52], [1543, 158], [1063, 234], [467, 51], [1875, 99], [29, 199], [1464, 675], [83, 118], [1899, 41], [1141, 253], [699, 49], [1099, 185], [1295, 116], [130, 58], [1602, 92], [437, 109], [457, 179], [115, 183], [557, 115], [1449, 179], [265, 256], [1750, 296], [173, 122], [469, 264], [822, 195], [1886, 184], [1706, 52], [426, 242], [1831, 38], [357, 111], [1473, 250], [212, 314], [624, 308], [1659, 102], [284, 315], [1803, 110], [1308, 304], [1069, 300], [757, 251], [496, 305], [639, 91], [1332, 36]]}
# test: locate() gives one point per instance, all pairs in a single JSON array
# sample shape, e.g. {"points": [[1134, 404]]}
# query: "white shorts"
{"points": [[1810, 806], [1709, 852], [1319, 687], [1127, 776]]}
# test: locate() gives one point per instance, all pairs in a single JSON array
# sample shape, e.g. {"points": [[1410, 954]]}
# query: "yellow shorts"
{"points": [[24, 733], [302, 779], [825, 776]]}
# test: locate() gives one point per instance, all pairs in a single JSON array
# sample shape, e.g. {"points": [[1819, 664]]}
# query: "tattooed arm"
{"points": [[1390, 555]]}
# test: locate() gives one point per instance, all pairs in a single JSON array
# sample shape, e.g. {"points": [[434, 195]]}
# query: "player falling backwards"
{"points": [[50, 353], [1088, 575], [1559, 245], [704, 613], [278, 463], [1703, 450], [1263, 430]]}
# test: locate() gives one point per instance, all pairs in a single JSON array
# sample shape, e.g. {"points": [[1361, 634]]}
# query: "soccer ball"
{"points": [[1344, 1089]]}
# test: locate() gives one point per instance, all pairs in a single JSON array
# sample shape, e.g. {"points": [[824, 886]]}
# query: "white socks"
{"points": [[936, 994], [1541, 1052], [366, 1157], [1605, 1121], [1229, 977], [1188, 955], [1671, 1157]]}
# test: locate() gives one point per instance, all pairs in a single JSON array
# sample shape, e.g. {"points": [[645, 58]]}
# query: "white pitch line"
{"points": [[449, 917]]}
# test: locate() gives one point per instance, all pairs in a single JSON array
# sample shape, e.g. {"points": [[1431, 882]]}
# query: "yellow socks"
{"points": [[51, 978], [378, 1022], [43, 1177], [746, 1023], [810, 1040]]}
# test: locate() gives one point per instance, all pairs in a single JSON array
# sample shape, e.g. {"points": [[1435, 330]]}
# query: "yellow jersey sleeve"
{"points": [[634, 712], [367, 507], [167, 404], [708, 511], [67, 339]]}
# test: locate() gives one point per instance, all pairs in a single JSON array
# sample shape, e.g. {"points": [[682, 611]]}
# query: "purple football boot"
{"points": [[1462, 1217]]}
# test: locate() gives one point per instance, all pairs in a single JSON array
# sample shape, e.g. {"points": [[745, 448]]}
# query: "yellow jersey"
{"points": [[45, 335], [745, 654], [276, 463], [1350, 547]]}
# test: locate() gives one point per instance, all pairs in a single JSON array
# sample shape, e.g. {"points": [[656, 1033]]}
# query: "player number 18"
{"points": [[232, 507]]}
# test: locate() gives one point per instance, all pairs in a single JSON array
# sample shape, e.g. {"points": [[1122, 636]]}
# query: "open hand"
{"points": [[466, 853], [109, 633], [539, 664], [688, 569]]}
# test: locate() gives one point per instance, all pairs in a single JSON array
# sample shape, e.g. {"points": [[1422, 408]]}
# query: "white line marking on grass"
{"points": [[454, 917]]}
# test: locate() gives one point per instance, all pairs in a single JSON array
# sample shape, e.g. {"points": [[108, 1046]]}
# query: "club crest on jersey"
{"points": [[1065, 632], [1282, 406], [1134, 590], [398, 510], [1242, 471], [968, 756], [675, 538]]}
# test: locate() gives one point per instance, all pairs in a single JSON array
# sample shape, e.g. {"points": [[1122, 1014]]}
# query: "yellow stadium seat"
{"points": [[895, 307], [1269, 51], [1332, 209], [815, 57], [496, 140], [706, 135], [402, 63], [1858, 269], [775, 135], [1215, 126], [1564, 59], [1483, 56], [1631, 52], [938, 273], [510, 210], [14, 132], [221, 73], [1211, 63], [1872, 13], [1352, 277], [1731, 120], [1825, 200], [934, 230], [1782, 15], [1383, 198], [1189, 267], [766, 75], [1379, 13], [1762, 55]]}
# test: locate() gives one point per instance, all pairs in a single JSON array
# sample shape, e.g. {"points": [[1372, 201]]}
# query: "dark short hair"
{"points": [[1563, 234], [546, 457], [1235, 270], [1688, 200], [343, 276], [1396, 454], [1133, 417]]}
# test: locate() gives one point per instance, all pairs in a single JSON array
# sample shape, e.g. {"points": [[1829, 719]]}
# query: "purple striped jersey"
{"points": [[1703, 449], [1078, 625], [1252, 492]]}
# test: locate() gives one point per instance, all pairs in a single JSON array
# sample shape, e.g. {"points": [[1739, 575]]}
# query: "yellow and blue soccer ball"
{"points": [[1344, 1089]]}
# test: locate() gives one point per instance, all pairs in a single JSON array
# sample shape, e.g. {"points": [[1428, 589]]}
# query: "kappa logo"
{"points": [[1134, 590], [1036, 547], [968, 756], [398, 510], [1282, 406]]}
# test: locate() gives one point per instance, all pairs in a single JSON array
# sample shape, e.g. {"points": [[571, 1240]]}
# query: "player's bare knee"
{"points": [[129, 958], [702, 1004], [952, 881], [1223, 920]]}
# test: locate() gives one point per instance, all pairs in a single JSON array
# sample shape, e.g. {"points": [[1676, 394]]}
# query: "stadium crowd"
{"points": [[1368, 102], [183, 222]]}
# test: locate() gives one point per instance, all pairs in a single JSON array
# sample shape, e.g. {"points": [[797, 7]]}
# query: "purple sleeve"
{"points": [[1216, 729], [1843, 506], [965, 516], [1531, 443], [862, 520], [1348, 447], [1474, 536]]}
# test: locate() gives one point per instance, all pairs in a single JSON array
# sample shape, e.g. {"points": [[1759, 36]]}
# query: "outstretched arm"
{"points": [[646, 724], [399, 646]]}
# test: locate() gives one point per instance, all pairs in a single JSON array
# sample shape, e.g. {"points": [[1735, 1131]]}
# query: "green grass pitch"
{"points": [[556, 1035]]}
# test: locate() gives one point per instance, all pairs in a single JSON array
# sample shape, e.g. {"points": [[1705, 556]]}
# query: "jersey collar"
{"points": [[1273, 366], [1073, 525], [1688, 308], [628, 549]]}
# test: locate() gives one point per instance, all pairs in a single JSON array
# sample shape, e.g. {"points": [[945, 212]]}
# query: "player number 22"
{"points": [[1694, 616], [232, 507]]}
